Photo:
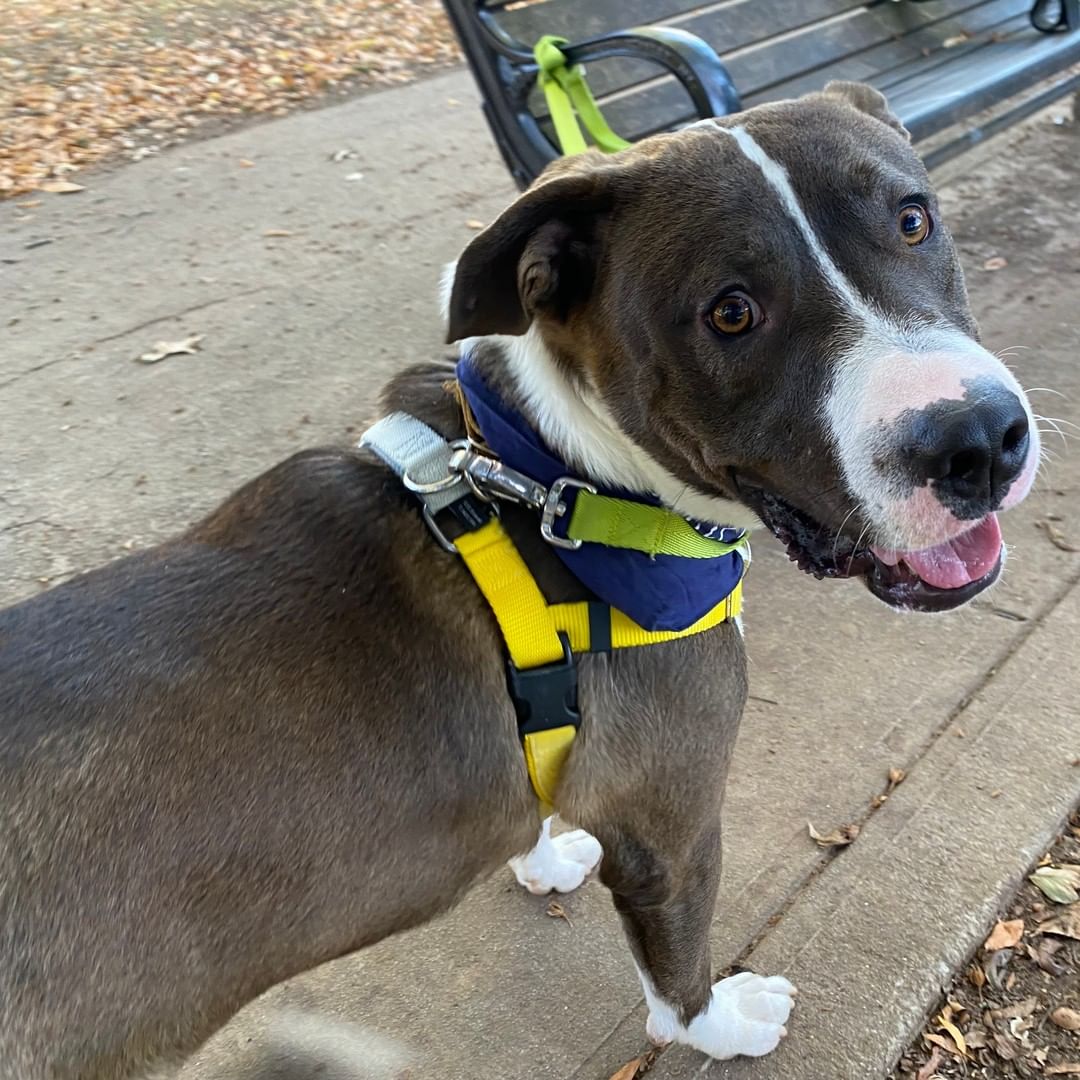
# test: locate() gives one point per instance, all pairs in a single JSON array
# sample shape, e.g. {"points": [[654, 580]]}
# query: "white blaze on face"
{"points": [[891, 370]]}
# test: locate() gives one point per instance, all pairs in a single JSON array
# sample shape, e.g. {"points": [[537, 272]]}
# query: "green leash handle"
{"points": [[570, 101]]}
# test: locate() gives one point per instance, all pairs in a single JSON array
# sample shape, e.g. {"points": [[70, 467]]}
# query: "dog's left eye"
{"points": [[914, 223]]}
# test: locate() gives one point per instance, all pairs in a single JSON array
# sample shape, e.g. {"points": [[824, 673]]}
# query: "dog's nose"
{"points": [[973, 453]]}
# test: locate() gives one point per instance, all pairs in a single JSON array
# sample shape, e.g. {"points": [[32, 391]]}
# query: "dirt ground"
{"points": [[1015, 1011], [83, 81]]}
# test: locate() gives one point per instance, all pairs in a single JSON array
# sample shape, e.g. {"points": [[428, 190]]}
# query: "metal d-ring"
{"points": [[433, 486], [554, 507]]}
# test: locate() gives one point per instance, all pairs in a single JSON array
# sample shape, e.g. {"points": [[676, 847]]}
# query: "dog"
{"points": [[287, 733]]}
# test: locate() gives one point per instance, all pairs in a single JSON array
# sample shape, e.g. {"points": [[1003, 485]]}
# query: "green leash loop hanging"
{"points": [[570, 100]]}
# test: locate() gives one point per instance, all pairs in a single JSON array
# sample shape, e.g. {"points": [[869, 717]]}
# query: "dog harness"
{"points": [[655, 576]]}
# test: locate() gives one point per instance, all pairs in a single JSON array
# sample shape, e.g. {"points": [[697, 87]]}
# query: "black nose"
{"points": [[972, 451]]}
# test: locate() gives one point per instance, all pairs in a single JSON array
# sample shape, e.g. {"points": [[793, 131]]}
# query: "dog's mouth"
{"points": [[934, 579]]}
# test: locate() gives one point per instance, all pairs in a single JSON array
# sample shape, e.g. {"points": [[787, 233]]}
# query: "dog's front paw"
{"points": [[557, 863], [746, 1015]]}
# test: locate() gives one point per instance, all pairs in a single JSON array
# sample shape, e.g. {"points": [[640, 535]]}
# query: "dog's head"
{"points": [[766, 313]]}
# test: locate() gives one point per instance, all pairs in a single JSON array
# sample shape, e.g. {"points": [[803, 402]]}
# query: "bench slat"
{"points": [[909, 80], [778, 59], [738, 22], [877, 64], [932, 99]]}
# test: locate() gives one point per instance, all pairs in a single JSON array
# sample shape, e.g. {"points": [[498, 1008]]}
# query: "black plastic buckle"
{"points": [[545, 697]]}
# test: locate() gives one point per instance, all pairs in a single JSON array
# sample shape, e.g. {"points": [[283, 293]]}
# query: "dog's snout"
{"points": [[972, 452]]}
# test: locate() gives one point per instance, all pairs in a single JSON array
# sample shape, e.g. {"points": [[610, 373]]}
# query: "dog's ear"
{"points": [[866, 99], [537, 255]]}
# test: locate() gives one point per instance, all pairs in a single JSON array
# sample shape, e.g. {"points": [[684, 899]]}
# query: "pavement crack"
{"points": [[36, 368], [178, 314], [16, 525], [133, 330]]}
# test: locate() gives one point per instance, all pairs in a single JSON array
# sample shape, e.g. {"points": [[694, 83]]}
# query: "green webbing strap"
{"points": [[600, 519], [569, 101]]}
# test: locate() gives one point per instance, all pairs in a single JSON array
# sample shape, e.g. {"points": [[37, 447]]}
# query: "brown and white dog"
{"points": [[286, 733]]}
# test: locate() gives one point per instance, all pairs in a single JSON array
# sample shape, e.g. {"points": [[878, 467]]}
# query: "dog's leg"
{"points": [[557, 863], [667, 906]]}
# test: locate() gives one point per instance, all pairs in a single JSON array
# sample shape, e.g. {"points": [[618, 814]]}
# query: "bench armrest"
{"points": [[691, 60], [506, 72]]}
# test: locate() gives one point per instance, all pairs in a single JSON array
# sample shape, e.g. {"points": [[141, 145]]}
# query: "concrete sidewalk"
{"points": [[101, 454]]}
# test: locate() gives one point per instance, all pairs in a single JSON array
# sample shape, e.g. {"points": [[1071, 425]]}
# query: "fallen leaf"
{"points": [[839, 837], [1056, 536], [557, 911], [945, 1043], [277, 232], [998, 262], [1064, 1068], [1065, 923], [163, 349], [977, 1039], [1043, 955], [1018, 1010], [245, 164], [1058, 883], [994, 966], [1069, 1019], [472, 223], [1018, 1029], [1005, 935], [1005, 1049], [638, 1067], [896, 777], [976, 976], [929, 1068], [60, 187], [944, 1023]]}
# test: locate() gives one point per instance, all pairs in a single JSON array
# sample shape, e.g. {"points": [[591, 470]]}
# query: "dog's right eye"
{"points": [[733, 314]]}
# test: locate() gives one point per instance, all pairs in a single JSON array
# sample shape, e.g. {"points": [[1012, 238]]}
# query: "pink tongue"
{"points": [[957, 562]]}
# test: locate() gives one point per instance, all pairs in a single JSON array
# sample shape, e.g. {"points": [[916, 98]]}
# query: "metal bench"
{"points": [[939, 61]]}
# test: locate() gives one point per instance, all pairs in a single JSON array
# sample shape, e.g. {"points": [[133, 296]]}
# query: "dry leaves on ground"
{"points": [[1005, 935], [1058, 883], [1066, 1018], [84, 79], [636, 1068], [162, 349], [841, 836], [555, 910], [1066, 923], [1014, 1014]]}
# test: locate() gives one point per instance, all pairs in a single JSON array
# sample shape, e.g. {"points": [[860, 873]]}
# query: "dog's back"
{"points": [[178, 734]]}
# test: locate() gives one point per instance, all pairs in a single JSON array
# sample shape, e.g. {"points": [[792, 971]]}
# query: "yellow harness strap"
{"points": [[531, 628]]}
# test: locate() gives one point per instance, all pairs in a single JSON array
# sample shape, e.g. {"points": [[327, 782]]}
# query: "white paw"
{"points": [[746, 1015], [557, 863]]}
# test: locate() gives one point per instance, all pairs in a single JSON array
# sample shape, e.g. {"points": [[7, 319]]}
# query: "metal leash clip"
{"points": [[490, 479]]}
